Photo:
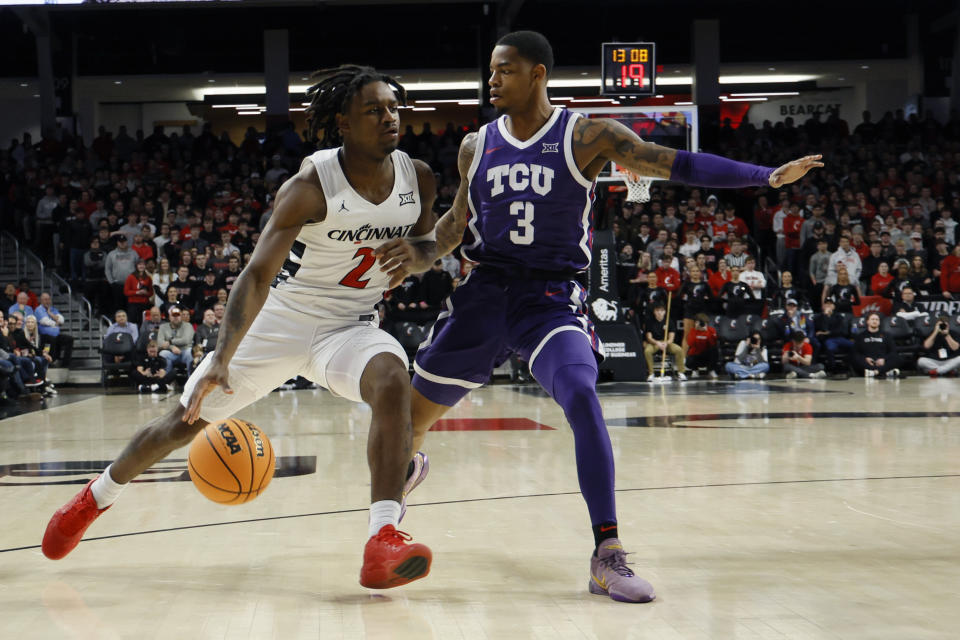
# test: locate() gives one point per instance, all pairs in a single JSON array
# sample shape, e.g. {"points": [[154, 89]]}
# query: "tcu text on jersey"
{"points": [[519, 177]]}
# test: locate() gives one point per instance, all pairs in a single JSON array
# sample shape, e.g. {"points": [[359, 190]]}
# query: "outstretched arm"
{"points": [[597, 140]]}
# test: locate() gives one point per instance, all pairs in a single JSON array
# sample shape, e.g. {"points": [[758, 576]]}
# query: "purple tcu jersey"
{"points": [[529, 204]]}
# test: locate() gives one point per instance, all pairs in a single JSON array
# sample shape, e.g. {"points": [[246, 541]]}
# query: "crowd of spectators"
{"points": [[161, 225], [164, 223], [873, 230]]}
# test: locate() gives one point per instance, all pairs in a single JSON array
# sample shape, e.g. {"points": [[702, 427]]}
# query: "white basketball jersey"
{"points": [[331, 271]]}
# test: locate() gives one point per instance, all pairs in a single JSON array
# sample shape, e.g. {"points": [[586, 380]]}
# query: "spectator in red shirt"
{"points": [[231, 226], [668, 278], [797, 358], [144, 250], [705, 216], [950, 273], [719, 278], [86, 203], [32, 299], [763, 225], [861, 247], [702, 349], [719, 225], [792, 224], [734, 224], [138, 288], [881, 280]]}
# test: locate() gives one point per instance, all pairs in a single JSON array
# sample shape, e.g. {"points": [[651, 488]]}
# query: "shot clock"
{"points": [[628, 69]]}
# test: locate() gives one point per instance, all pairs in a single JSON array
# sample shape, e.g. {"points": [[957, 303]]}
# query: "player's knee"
{"points": [[387, 385], [394, 386], [575, 385]]}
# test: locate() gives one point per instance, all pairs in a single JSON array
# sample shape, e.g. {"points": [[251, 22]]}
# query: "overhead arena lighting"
{"points": [[764, 94], [568, 83], [766, 79], [474, 85], [724, 99]]}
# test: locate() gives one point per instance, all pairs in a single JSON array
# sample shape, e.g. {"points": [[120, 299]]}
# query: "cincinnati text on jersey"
{"points": [[366, 232]]}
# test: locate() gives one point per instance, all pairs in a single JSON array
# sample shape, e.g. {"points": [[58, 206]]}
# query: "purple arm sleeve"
{"points": [[708, 170]]}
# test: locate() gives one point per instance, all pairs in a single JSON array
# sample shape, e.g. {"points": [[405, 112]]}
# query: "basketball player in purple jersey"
{"points": [[523, 212]]}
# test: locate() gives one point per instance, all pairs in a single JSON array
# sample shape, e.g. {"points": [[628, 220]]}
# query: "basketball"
{"points": [[231, 462]]}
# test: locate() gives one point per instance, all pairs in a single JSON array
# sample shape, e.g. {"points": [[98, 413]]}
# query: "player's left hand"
{"points": [[395, 258], [793, 171]]}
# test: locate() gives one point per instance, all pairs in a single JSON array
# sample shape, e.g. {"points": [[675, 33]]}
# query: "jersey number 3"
{"points": [[352, 279], [523, 234]]}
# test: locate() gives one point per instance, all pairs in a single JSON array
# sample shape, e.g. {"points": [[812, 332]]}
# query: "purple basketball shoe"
{"points": [[421, 467], [610, 575]]}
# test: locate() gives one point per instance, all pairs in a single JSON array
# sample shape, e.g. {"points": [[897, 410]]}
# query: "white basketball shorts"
{"points": [[283, 343]]}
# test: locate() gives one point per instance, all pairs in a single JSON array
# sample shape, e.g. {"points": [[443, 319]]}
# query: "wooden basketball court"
{"points": [[758, 510]]}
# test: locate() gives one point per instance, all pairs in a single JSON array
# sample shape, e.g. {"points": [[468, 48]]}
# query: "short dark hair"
{"points": [[531, 45]]}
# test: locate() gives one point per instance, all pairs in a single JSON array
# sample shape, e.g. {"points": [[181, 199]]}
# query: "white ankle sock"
{"points": [[383, 513], [105, 491]]}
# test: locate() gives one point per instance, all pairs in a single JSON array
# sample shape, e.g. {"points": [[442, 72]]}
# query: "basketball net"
{"points": [[638, 187]]}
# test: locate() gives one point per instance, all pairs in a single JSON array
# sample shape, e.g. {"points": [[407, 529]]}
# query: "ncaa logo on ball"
{"points": [[231, 440]]}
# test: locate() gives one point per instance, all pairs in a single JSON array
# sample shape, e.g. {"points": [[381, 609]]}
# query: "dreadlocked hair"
{"points": [[332, 94]]}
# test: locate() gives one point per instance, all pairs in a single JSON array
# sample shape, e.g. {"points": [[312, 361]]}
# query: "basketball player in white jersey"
{"points": [[305, 306]]}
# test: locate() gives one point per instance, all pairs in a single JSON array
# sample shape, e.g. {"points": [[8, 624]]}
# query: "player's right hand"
{"points": [[216, 376]]}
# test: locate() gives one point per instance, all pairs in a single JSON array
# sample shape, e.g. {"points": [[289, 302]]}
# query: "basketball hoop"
{"points": [[638, 187]]}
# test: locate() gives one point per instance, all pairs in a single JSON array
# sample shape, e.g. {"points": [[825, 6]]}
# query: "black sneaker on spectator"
{"points": [[143, 388], [161, 388]]}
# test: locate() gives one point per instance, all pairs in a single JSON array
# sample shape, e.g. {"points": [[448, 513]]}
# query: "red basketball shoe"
{"points": [[68, 524], [388, 561]]}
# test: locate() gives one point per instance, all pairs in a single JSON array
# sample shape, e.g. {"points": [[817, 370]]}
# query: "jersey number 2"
{"points": [[523, 234], [352, 279]]}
